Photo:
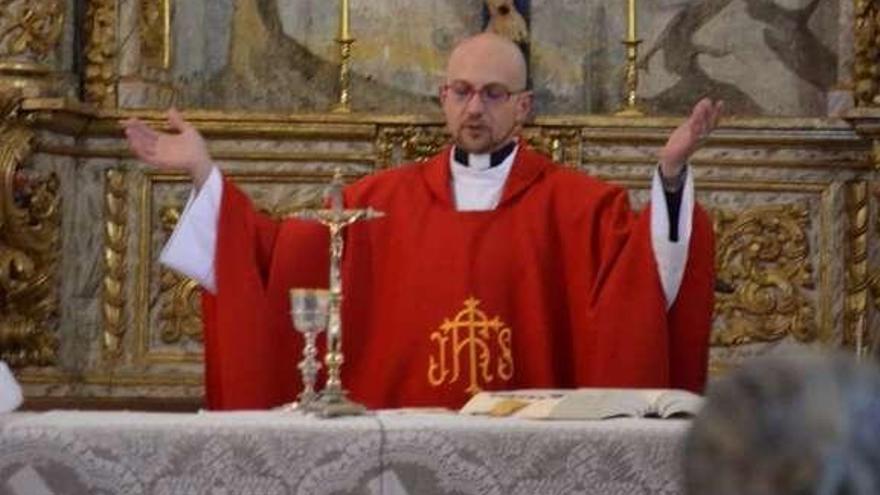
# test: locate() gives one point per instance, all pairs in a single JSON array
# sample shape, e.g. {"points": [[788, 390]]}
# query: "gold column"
{"points": [[29, 33], [857, 279], [874, 282], [863, 280]]}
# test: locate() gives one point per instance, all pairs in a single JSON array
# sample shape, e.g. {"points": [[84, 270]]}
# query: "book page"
{"points": [[600, 403], [676, 403], [586, 403]]}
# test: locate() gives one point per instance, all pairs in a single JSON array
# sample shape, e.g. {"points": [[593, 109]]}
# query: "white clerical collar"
{"points": [[475, 170], [483, 161], [478, 190]]}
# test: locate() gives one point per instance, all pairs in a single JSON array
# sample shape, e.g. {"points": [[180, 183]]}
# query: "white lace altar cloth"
{"points": [[61, 452]]}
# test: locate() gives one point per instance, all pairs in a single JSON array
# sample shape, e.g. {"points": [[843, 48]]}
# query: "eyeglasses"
{"points": [[491, 94]]}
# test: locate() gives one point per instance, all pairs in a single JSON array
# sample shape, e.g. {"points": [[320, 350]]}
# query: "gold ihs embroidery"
{"points": [[468, 338]]}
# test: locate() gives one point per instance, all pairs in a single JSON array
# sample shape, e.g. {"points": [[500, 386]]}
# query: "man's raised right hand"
{"points": [[185, 150]]}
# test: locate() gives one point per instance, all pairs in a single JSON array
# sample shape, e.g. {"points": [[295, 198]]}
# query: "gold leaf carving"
{"points": [[180, 316], [100, 53], [762, 259], [867, 45], [29, 247], [115, 247], [396, 145], [559, 144], [30, 28]]}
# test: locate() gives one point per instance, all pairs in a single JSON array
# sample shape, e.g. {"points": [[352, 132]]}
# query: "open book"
{"points": [[585, 403]]}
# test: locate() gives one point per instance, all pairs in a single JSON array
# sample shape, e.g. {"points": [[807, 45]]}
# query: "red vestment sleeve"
{"points": [[250, 350], [690, 318], [628, 341]]}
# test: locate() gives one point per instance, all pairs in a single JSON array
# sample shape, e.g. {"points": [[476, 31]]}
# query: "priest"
{"points": [[493, 267]]}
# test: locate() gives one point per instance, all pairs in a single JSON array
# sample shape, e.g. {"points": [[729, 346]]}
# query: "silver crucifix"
{"points": [[333, 401]]}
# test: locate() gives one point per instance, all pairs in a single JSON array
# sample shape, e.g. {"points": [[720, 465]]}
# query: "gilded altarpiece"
{"points": [[86, 311]]}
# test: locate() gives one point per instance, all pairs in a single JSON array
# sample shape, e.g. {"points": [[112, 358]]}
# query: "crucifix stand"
{"points": [[332, 401]]}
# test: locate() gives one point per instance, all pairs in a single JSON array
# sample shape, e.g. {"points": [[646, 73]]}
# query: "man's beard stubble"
{"points": [[493, 143]]}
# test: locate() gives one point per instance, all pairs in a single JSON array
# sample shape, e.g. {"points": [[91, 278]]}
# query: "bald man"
{"points": [[494, 268]]}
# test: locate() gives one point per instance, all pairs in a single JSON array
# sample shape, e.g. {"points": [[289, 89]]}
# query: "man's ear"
{"points": [[524, 106]]}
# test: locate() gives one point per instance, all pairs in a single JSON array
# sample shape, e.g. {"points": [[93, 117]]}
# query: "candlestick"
{"points": [[631, 80], [344, 40]]}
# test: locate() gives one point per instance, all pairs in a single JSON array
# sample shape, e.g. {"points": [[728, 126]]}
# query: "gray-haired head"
{"points": [[789, 426]]}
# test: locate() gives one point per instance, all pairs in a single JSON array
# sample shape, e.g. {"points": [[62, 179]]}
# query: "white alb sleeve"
{"points": [[192, 246], [10, 392], [671, 256]]}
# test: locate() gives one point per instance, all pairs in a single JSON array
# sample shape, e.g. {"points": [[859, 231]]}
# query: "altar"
{"points": [[391, 452]]}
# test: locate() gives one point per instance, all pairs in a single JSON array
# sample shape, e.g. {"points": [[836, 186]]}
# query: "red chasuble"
{"points": [[556, 287]]}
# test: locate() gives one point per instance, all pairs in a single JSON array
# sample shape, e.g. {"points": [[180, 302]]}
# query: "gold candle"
{"points": [[344, 32], [631, 20]]}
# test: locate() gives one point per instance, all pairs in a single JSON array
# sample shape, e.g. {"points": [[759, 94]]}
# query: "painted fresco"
{"points": [[764, 57]]}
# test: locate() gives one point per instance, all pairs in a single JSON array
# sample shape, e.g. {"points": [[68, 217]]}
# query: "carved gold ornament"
{"points": [[397, 145], [115, 246], [762, 258], [473, 340], [100, 53], [181, 314], [559, 144], [867, 45], [30, 27], [29, 247]]}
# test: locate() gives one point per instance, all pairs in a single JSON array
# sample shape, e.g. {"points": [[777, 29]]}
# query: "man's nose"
{"points": [[474, 104]]}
